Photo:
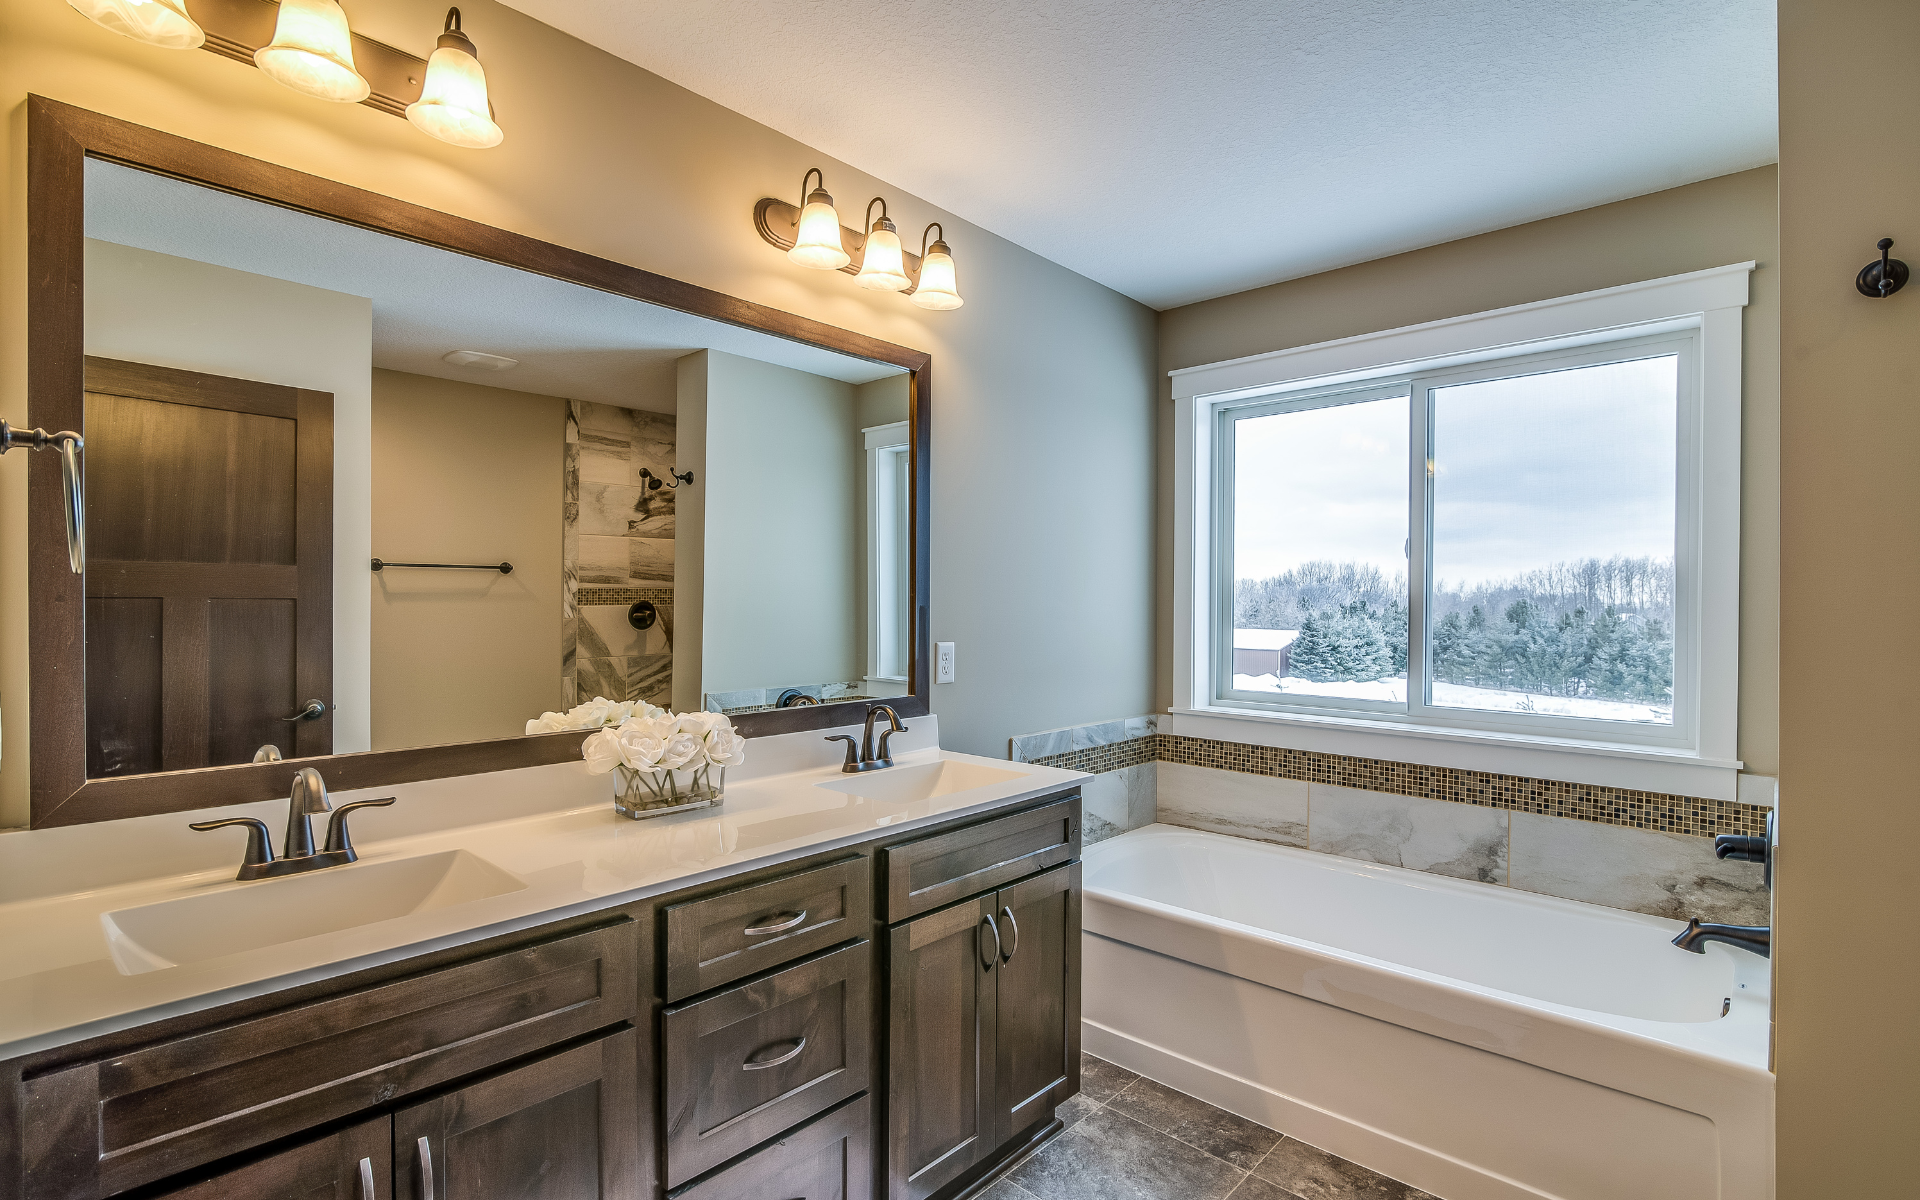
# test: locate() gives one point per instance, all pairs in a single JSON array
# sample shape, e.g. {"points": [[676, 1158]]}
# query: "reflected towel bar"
{"points": [[505, 568]]}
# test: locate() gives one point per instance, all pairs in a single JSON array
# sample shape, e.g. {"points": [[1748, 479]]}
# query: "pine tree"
{"points": [[1344, 646]]}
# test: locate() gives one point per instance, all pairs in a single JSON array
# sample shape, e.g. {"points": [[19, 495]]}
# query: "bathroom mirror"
{"points": [[374, 484]]}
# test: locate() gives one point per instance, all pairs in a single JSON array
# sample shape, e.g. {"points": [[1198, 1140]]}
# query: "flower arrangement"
{"points": [[665, 761], [594, 714]]}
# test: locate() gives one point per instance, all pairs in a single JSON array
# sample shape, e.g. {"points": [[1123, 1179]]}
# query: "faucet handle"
{"points": [[886, 751], [853, 750], [338, 842], [259, 850]]}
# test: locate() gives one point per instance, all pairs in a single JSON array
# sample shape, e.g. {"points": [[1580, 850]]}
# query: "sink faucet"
{"points": [[1757, 938], [297, 853], [867, 760]]}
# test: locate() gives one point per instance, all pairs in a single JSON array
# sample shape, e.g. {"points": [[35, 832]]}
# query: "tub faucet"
{"points": [[1757, 938], [309, 798], [868, 760]]}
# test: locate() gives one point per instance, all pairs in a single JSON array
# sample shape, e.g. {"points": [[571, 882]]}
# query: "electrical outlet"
{"points": [[943, 662]]}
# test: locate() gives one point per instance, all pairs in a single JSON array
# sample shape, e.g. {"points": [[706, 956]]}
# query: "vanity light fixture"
{"points": [[882, 267], [818, 244], [453, 102], [163, 23], [312, 52], [937, 289]]}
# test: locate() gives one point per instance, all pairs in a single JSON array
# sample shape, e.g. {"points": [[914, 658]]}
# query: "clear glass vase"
{"points": [[641, 794]]}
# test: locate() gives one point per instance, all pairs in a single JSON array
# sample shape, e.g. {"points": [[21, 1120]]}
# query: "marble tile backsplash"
{"points": [[1589, 853], [617, 537]]}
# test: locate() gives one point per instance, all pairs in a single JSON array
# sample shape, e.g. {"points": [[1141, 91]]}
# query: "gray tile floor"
{"points": [[1129, 1138]]}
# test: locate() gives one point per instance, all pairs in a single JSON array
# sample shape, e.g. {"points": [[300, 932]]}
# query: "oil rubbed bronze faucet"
{"points": [[297, 853], [860, 756], [1757, 938]]}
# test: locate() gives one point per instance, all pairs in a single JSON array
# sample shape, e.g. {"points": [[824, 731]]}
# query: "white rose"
{"points": [[595, 713], [638, 748], [548, 722], [661, 724], [602, 752], [698, 723], [683, 749], [725, 748], [642, 709]]}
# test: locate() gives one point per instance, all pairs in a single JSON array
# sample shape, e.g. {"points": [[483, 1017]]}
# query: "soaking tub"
{"points": [[1479, 1042]]}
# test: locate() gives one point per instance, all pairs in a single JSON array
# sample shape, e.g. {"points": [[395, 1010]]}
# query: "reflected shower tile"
{"points": [[1234, 803], [650, 678], [1461, 840], [606, 560], [606, 508], [649, 560], [603, 418], [605, 632], [1643, 870], [603, 458]]}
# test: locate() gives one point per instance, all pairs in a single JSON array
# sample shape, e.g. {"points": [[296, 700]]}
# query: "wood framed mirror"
{"points": [[158, 769]]}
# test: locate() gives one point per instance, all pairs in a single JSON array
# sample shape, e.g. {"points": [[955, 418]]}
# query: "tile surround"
{"points": [[617, 548], [1646, 852]]}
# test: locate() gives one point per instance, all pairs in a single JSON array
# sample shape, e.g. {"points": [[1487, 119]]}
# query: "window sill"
{"points": [[1604, 764]]}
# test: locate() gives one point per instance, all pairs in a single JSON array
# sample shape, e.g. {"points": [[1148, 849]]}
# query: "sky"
{"points": [[1528, 471]]}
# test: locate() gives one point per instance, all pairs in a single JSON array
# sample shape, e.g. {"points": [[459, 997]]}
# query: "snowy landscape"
{"points": [[1454, 695]]}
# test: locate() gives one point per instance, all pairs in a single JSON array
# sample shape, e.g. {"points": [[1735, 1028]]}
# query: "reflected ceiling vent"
{"points": [[479, 360]]}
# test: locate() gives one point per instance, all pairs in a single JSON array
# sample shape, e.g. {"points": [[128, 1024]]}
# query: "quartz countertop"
{"points": [[59, 982]]}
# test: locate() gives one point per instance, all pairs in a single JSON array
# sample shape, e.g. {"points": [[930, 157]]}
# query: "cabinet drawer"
{"points": [[758, 1059], [356, 1162], [723, 938], [103, 1126], [830, 1158], [936, 871]]}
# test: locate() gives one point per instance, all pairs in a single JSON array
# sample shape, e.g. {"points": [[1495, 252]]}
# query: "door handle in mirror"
{"points": [[753, 1064], [312, 711], [782, 927]]}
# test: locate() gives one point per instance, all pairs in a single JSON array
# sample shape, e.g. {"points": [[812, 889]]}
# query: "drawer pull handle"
{"points": [[366, 1180], [987, 958], [1015, 926], [792, 922], [762, 1064], [424, 1151]]}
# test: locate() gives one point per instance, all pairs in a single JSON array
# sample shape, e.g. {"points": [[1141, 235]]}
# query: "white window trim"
{"points": [[1709, 303], [880, 443]]}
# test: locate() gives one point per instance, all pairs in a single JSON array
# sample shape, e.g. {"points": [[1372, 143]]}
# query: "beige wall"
{"points": [[1042, 384], [1847, 1025], [464, 655], [779, 540], [1708, 224]]}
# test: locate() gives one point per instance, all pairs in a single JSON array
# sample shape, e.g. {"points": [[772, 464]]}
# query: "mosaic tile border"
{"points": [[622, 595], [1691, 815]]}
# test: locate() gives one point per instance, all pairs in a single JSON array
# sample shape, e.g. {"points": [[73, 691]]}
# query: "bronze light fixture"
{"points": [[811, 235]]}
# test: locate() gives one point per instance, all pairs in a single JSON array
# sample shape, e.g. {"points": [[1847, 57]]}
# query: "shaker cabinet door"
{"points": [[941, 1038], [353, 1164], [564, 1127], [1038, 1017]]}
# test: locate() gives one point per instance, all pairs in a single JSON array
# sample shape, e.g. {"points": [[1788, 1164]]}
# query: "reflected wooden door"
{"points": [[209, 568]]}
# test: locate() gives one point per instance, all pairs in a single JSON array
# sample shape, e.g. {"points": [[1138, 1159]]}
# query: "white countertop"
{"points": [[552, 827]]}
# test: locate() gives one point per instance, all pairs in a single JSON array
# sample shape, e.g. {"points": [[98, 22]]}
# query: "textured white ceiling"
{"points": [[1181, 149], [571, 341]]}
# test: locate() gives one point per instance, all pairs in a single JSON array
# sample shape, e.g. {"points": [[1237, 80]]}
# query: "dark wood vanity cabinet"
{"points": [[892, 1019]]}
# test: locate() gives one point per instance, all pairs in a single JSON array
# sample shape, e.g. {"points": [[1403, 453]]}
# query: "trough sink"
{"points": [[269, 912], [896, 785]]}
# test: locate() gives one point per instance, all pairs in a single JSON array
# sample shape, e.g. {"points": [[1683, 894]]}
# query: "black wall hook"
{"points": [[1882, 279], [652, 482]]}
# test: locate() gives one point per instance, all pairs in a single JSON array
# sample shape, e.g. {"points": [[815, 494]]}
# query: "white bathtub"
{"points": [[1475, 1041]]}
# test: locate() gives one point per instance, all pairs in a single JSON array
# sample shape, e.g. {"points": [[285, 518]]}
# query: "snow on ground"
{"points": [[1454, 695], [1264, 639]]}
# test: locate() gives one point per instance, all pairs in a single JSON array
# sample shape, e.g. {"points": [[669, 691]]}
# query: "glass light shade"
{"points": [[453, 102], [312, 52], [937, 289], [818, 244], [883, 268], [162, 23]]}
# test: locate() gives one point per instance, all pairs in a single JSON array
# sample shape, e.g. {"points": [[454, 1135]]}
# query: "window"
{"points": [[1526, 533], [1541, 592]]}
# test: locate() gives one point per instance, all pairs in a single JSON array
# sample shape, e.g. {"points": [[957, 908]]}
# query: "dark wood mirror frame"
{"points": [[60, 138]]}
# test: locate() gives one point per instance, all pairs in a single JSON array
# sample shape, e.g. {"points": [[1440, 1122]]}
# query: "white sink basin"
{"points": [[269, 912], [922, 782]]}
